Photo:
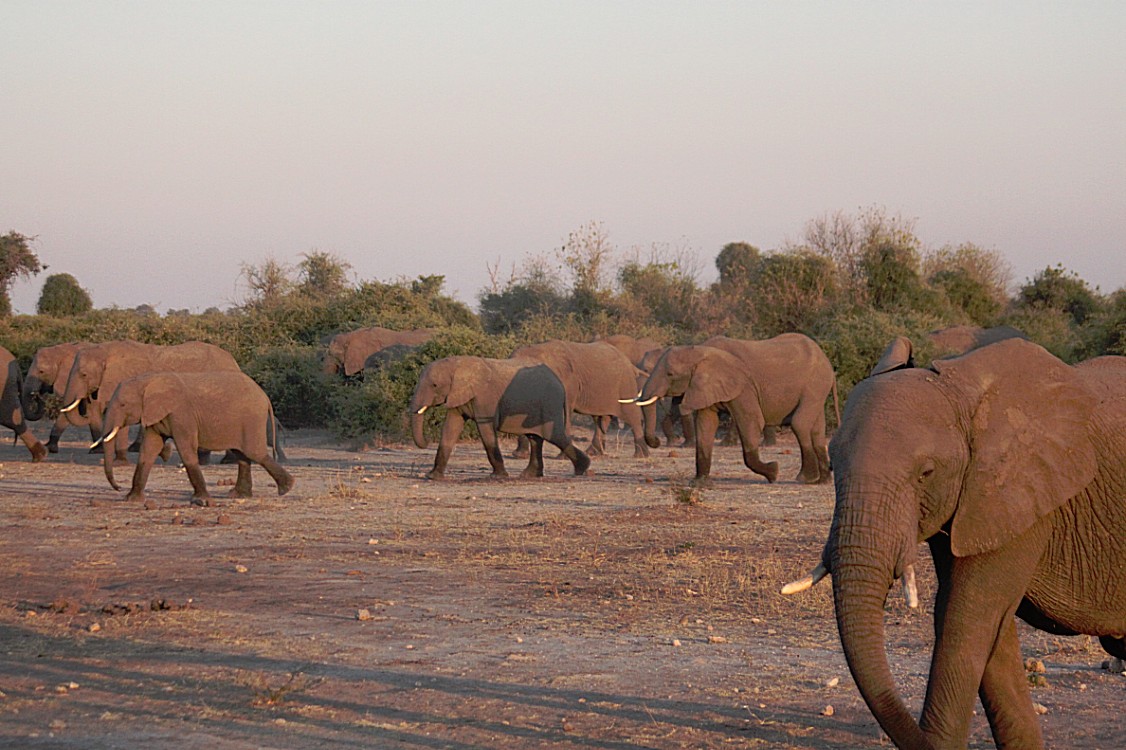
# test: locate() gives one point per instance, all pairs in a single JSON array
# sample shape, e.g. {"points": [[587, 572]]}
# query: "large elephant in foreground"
{"points": [[600, 381], [783, 380], [513, 396], [1012, 466], [200, 411], [348, 352], [11, 414], [98, 369], [46, 377]]}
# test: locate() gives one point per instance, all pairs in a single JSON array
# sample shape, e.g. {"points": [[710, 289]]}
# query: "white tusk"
{"points": [[96, 443], [72, 407], [648, 401], [110, 436], [423, 409], [628, 400], [808, 582]]}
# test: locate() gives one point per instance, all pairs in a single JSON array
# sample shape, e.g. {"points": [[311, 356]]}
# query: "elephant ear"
{"points": [[354, 358], [1030, 449], [464, 379], [897, 356], [715, 380], [158, 399]]}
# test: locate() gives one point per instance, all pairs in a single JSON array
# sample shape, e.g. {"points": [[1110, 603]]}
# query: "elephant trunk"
{"points": [[865, 560], [108, 454], [418, 420], [31, 399]]}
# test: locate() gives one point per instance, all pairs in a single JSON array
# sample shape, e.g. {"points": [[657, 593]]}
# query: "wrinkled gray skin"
{"points": [[11, 413], [348, 352], [199, 412], [783, 380], [512, 396], [99, 368], [1012, 466], [47, 376], [597, 378]]}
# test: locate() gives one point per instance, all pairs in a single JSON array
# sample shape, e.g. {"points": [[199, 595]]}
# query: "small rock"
{"points": [[1034, 666], [1039, 708], [223, 519], [833, 682], [363, 615], [94, 627], [241, 569], [827, 711], [150, 504], [675, 642], [716, 639]]}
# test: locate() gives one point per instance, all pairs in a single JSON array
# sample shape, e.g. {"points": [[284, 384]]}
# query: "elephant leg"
{"points": [[749, 423], [1116, 647], [451, 431], [189, 454], [578, 458], [705, 421], [535, 458], [121, 446], [488, 435], [1004, 693], [631, 413], [244, 483], [977, 598], [668, 427], [769, 436], [277, 472], [597, 440], [38, 452], [521, 450], [57, 430], [150, 448], [804, 424]]}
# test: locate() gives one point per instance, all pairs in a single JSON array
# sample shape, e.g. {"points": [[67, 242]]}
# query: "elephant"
{"points": [[513, 396], [11, 413], [1010, 464], [99, 368], [783, 380], [634, 348], [47, 376], [957, 340], [600, 381], [347, 353], [200, 411]]}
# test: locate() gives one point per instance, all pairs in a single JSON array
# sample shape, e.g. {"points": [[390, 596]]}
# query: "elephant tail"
{"points": [[836, 402], [279, 454]]}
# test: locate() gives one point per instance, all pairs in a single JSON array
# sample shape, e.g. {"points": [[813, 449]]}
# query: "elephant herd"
{"points": [[1009, 463], [193, 394]]}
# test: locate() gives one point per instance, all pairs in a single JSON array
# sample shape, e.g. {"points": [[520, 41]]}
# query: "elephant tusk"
{"points": [[628, 400], [910, 591], [422, 410], [648, 401], [811, 580], [110, 436], [72, 407], [96, 443]]}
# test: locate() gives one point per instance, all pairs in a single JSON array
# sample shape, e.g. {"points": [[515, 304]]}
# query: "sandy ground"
{"points": [[372, 608]]}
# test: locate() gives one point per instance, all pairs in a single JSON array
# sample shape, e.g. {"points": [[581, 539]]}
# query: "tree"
{"points": [[735, 263], [322, 274], [16, 259], [973, 279], [268, 283], [62, 296], [1063, 290]]}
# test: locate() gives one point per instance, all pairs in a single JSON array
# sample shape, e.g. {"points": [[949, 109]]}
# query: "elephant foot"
{"points": [[38, 453], [593, 451], [501, 474], [53, 447], [702, 483], [770, 471], [687, 444], [203, 501], [582, 464], [652, 441], [531, 473], [237, 491], [435, 476], [285, 485], [640, 451], [134, 497], [814, 478]]}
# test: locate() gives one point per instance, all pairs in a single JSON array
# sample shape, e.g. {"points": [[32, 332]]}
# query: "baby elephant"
{"points": [[199, 411]]}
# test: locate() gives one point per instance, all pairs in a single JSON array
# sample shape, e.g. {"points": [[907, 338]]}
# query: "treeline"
{"points": [[852, 283]]}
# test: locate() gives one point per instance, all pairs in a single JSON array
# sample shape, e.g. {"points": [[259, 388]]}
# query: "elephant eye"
{"points": [[926, 473]]}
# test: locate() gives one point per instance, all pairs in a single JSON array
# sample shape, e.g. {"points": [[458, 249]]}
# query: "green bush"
{"points": [[302, 395]]}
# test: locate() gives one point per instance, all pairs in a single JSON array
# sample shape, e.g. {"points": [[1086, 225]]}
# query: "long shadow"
{"points": [[182, 680]]}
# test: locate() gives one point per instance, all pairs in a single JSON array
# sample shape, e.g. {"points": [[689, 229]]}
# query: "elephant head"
{"points": [[84, 380], [47, 375], [448, 382], [973, 447], [703, 375]]}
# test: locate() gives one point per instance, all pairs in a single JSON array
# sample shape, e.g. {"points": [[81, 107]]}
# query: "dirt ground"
{"points": [[372, 608]]}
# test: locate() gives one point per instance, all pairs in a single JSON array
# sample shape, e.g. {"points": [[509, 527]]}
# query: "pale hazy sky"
{"points": [[153, 147]]}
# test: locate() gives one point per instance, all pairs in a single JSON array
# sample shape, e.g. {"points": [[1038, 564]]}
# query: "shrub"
{"points": [[302, 395], [62, 296]]}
